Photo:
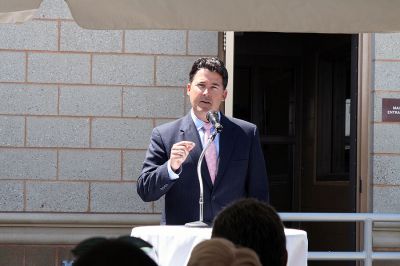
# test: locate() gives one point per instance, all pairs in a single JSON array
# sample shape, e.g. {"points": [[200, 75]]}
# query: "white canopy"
{"points": [[16, 11], [323, 16]]}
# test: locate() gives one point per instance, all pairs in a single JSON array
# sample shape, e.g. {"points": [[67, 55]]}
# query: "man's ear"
{"points": [[188, 88], [225, 94]]}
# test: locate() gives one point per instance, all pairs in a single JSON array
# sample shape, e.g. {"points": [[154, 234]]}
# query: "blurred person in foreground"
{"points": [[122, 251], [256, 225], [222, 252]]}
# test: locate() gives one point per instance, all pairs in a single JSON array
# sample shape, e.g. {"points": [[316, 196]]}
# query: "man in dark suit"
{"points": [[171, 160]]}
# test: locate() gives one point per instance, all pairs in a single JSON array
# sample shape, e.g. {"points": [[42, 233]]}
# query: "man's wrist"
{"points": [[178, 171], [172, 173]]}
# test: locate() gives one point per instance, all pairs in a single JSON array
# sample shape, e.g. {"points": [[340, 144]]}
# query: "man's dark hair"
{"points": [[256, 225], [213, 64], [114, 252]]}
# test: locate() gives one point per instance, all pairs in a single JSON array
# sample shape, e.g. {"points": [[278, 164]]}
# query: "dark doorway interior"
{"points": [[300, 90]]}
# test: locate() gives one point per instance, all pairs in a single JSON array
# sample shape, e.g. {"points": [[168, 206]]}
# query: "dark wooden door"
{"points": [[329, 132], [272, 107], [299, 90]]}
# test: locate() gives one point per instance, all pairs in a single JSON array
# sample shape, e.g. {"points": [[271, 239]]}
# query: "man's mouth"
{"points": [[205, 102]]}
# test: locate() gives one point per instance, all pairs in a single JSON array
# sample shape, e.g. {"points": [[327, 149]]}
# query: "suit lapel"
{"points": [[189, 132], [227, 142]]}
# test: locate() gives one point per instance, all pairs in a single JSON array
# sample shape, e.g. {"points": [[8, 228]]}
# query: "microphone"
{"points": [[213, 118]]}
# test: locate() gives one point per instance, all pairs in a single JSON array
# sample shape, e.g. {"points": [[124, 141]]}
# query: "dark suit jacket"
{"points": [[241, 170]]}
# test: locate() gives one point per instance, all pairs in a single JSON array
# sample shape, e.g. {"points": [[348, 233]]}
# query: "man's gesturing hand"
{"points": [[179, 153]]}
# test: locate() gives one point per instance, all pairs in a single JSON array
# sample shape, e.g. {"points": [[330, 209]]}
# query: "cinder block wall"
{"points": [[386, 144], [77, 108]]}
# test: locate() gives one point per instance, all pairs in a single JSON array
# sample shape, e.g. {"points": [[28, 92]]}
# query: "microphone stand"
{"points": [[200, 222]]}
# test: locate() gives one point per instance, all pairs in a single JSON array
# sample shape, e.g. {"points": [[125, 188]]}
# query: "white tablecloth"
{"points": [[175, 243]]}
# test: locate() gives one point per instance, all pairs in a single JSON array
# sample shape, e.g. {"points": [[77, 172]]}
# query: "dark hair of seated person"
{"points": [[256, 225], [85, 245], [114, 252]]}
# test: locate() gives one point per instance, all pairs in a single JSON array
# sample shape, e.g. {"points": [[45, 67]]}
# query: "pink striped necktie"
{"points": [[211, 153]]}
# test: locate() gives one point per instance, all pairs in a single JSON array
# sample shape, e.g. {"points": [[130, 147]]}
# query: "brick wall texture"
{"points": [[77, 108], [386, 144]]}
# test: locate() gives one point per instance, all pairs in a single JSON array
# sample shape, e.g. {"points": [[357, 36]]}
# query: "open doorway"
{"points": [[301, 92]]}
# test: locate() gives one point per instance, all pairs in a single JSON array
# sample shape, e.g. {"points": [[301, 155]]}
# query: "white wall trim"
{"points": [[229, 63], [54, 228], [364, 137], [386, 235]]}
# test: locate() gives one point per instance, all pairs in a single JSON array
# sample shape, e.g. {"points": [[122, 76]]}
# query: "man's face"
{"points": [[206, 92]]}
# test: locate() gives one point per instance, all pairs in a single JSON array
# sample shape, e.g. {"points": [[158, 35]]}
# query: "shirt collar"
{"points": [[197, 122]]}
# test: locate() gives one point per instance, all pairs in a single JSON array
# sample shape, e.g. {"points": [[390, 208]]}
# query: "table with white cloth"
{"points": [[174, 244]]}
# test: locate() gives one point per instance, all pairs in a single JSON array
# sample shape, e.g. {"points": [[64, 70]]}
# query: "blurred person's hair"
{"points": [[123, 251], [256, 225], [222, 252], [143, 245], [85, 245]]}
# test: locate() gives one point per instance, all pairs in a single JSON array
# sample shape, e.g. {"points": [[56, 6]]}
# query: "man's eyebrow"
{"points": [[202, 82]]}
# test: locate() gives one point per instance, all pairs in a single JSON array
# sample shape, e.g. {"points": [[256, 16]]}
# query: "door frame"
{"points": [[364, 124], [229, 45]]}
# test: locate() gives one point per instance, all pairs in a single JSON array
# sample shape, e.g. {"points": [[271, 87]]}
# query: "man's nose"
{"points": [[205, 91]]}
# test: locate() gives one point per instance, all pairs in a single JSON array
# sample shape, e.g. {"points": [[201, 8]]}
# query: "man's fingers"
{"points": [[185, 146], [179, 152], [179, 149], [190, 146]]}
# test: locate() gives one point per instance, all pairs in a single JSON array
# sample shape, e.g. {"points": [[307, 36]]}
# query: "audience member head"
{"points": [[123, 251], [143, 245], [222, 252], [256, 225], [86, 245]]}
